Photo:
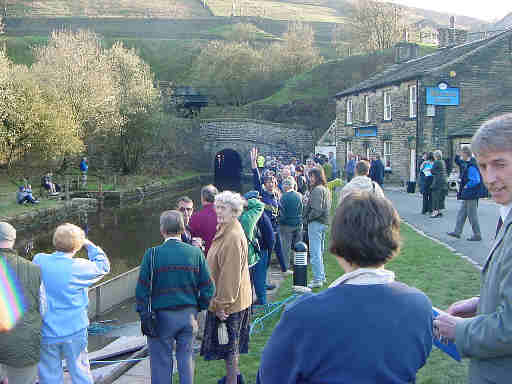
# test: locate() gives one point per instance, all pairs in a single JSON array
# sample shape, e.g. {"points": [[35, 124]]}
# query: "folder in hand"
{"points": [[447, 347]]}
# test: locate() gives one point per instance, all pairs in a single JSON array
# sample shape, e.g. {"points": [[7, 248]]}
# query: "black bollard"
{"points": [[300, 267]]}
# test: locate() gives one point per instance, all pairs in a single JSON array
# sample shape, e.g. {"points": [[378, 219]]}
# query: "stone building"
{"points": [[422, 104]]}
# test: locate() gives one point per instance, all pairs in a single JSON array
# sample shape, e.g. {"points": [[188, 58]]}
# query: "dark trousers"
{"points": [[278, 248], [427, 202], [259, 277]]}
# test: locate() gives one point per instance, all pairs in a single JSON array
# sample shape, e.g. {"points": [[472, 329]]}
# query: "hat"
{"points": [[7, 232], [252, 195]]}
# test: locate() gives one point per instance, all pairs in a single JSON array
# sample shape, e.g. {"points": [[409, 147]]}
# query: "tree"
{"points": [[377, 25], [73, 68], [32, 122], [138, 102]]}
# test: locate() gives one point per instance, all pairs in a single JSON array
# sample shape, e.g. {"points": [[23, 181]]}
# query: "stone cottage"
{"points": [[422, 104]]}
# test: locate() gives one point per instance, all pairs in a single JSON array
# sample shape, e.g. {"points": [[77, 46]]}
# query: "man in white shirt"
{"points": [[482, 326]]}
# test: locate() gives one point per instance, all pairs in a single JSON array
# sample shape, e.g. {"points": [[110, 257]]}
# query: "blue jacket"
{"points": [[267, 236], [382, 333], [471, 185], [66, 280], [83, 166], [271, 202]]}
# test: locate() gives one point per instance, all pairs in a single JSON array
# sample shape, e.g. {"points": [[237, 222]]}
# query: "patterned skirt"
{"points": [[238, 326]]}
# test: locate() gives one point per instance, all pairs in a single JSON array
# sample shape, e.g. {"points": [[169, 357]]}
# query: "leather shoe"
{"points": [[475, 238], [453, 234]]}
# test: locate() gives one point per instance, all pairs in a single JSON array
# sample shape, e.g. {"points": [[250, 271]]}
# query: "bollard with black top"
{"points": [[300, 267]]}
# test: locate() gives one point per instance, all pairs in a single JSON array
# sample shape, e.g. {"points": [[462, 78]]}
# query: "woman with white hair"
{"points": [[439, 185], [229, 309], [66, 280]]}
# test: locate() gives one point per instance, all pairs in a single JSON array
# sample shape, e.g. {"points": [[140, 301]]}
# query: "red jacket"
{"points": [[203, 224]]}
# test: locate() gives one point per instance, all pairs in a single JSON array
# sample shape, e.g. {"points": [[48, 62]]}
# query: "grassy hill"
{"points": [[107, 8], [309, 97]]}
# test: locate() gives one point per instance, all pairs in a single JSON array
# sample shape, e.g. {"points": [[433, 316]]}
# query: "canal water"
{"points": [[124, 233]]}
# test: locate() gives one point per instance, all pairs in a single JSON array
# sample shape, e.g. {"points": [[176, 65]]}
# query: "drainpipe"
{"points": [[417, 124]]}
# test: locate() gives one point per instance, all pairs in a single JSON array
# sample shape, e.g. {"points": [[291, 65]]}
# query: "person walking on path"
{"points": [[377, 170], [470, 189], [182, 286], [20, 347], [316, 215], [439, 184], [203, 223], [290, 220], [84, 167], [66, 280], [480, 326]]}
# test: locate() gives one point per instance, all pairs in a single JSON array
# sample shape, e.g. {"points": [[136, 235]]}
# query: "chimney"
{"points": [[451, 36]]}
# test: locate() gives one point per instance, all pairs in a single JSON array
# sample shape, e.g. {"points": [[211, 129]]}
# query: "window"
{"points": [[366, 109], [413, 102], [349, 111], [349, 150], [387, 154], [387, 106]]}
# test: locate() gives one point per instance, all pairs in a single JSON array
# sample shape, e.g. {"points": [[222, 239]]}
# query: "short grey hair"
{"points": [[494, 135], [466, 149], [171, 222], [289, 182], [438, 155], [208, 193], [233, 199]]}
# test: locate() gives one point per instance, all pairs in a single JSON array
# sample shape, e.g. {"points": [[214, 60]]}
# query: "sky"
{"points": [[490, 10]]}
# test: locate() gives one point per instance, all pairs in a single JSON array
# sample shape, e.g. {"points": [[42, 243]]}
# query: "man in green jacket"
{"points": [[482, 326], [19, 347]]}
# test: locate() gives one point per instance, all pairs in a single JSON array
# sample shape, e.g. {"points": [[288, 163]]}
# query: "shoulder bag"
{"points": [[148, 319]]}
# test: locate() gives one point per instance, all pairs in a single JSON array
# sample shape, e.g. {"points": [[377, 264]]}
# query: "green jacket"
{"points": [[248, 220], [20, 346], [487, 337]]}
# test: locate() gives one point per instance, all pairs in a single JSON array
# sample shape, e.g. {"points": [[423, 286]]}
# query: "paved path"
{"points": [[409, 208]]}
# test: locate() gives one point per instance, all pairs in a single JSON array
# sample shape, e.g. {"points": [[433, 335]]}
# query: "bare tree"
{"points": [[377, 25]]}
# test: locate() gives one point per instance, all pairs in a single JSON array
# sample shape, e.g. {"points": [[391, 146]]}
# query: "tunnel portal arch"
{"points": [[228, 170]]}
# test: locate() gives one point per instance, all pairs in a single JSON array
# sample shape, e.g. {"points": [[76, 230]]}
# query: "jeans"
{"points": [[278, 248], [468, 209], [177, 327], [289, 236], [74, 351], [260, 277], [316, 234], [24, 375]]}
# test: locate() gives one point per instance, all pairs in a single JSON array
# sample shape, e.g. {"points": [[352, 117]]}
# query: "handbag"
{"points": [[148, 320]]}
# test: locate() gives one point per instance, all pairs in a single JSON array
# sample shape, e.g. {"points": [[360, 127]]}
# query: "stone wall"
{"points": [[399, 130], [243, 134]]}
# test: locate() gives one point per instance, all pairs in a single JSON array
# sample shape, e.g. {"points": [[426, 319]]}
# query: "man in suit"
{"points": [[482, 326]]}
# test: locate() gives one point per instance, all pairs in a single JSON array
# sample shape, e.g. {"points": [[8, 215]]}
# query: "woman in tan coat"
{"points": [[230, 307]]}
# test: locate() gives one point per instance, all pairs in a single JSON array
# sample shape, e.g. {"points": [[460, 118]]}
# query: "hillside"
{"points": [[107, 8], [504, 23], [308, 98]]}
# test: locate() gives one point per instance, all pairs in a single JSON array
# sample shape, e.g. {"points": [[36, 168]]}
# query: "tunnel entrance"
{"points": [[228, 170]]}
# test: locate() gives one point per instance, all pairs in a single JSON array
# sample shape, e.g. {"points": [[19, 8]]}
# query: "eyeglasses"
{"points": [[184, 209]]}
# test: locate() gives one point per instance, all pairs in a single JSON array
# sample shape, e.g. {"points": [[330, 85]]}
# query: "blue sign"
{"points": [[370, 131], [446, 96]]}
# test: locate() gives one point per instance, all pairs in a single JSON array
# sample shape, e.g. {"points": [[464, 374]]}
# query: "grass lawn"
{"points": [[9, 207], [443, 276]]}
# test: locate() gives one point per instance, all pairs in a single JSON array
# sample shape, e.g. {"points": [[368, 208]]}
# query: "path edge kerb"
{"points": [[437, 241]]}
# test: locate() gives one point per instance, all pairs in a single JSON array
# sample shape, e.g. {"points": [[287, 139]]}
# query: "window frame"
{"points": [[387, 106], [366, 109], [388, 152], [413, 101], [350, 112]]}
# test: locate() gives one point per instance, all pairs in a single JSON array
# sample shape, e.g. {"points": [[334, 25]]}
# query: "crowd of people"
{"points": [[366, 327]]}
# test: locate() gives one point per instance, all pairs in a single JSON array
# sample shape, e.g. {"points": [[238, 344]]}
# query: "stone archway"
{"points": [[228, 170]]}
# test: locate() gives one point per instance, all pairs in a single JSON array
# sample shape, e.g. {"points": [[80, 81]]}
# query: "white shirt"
{"points": [[365, 276], [505, 210]]}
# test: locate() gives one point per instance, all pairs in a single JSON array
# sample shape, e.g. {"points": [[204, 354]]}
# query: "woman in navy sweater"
{"points": [[366, 328]]}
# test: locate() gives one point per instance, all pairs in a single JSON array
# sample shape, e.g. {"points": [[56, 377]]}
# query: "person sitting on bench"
{"points": [[46, 182], [24, 195]]}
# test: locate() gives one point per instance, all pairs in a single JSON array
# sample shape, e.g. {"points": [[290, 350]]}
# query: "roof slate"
{"points": [[417, 68]]}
